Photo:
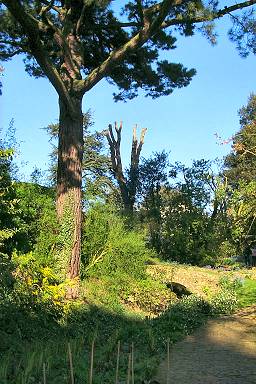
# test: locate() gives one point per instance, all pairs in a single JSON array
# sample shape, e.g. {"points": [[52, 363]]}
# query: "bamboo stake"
{"points": [[71, 364], [44, 373], [129, 369], [168, 362], [132, 362], [91, 363], [117, 361]]}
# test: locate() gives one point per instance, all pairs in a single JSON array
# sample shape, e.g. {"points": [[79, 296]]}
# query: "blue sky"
{"points": [[183, 123]]}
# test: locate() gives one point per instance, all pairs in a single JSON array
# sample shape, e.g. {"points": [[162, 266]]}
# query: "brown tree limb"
{"points": [[32, 27], [135, 42], [47, 7], [210, 16], [160, 11], [80, 20], [139, 148], [135, 158], [51, 5], [115, 57], [111, 142], [67, 44]]}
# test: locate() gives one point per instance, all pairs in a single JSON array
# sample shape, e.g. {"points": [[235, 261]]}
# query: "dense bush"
{"points": [[125, 293], [6, 277], [8, 204], [109, 248], [26, 210], [225, 302], [36, 220], [148, 295], [32, 300]]}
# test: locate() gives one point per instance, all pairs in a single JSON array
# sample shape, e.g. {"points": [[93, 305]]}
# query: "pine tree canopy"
{"points": [[76, 43]]}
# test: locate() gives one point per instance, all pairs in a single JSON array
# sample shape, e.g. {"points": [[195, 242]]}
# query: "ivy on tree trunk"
{"points": [[69, 184]]}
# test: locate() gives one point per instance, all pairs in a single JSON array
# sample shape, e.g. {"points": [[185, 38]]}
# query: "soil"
{"points": [[221, 352]]}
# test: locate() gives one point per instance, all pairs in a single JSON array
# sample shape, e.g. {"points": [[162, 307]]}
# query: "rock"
{"points": [[179, 289], [150, 382], [150, 262]]}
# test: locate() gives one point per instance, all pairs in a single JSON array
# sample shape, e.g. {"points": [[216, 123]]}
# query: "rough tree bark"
{"points": [[69, 183], [127, 186]]}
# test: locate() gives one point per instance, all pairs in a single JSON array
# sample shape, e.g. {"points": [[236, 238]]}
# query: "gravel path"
{"points": [[221, 352]]}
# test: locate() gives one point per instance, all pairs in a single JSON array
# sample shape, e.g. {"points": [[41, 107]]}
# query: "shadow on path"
{"points": [[221, 352]]}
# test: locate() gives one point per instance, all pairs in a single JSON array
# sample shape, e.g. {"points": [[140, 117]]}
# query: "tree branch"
{"points": [[164, 9], [47, 7], [51, 5], [115, 56], [118, 151], [142, 137], [31, 28], [136, 147], [114, 145], [135, 42], [80, 20], [209, 17], [129, 24], [235, 7], [11, 54]]}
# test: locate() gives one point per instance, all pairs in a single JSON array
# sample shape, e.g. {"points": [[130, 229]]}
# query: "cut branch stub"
{"points": [[136, 147]]}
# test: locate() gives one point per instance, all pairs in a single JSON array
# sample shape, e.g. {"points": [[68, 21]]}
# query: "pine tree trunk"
{"points": [[69, 188]]}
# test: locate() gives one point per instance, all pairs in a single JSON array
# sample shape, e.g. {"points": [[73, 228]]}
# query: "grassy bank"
{"points": [[54, 344]]}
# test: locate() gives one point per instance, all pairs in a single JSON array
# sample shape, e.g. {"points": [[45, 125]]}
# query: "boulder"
{"points": [[179, 289]]}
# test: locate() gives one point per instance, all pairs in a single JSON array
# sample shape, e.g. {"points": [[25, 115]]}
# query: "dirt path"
{"points": [[221, 352]]}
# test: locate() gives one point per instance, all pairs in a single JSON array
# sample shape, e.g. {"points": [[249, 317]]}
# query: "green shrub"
{"points": [[225, 251], [6, 276], [225, 302], [36, 221], [36, 282], [227, 283], [116, 293], [35, 301], [148, 295], [8, 205], [109, 248]]}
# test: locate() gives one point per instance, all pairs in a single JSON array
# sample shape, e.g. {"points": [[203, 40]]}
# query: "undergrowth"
{"points": [[41, 329], [118, 303], [247, 293]]}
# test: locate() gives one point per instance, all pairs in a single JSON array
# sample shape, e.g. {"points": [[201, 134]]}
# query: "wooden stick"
{"points": [[132, 362], [168, 362], [44, 373], [117, 361], [129, 369], [91, 364], [71, 364]]}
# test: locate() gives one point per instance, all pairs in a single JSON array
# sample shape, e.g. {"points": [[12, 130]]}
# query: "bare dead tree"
{"points": [[127, 185]]}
